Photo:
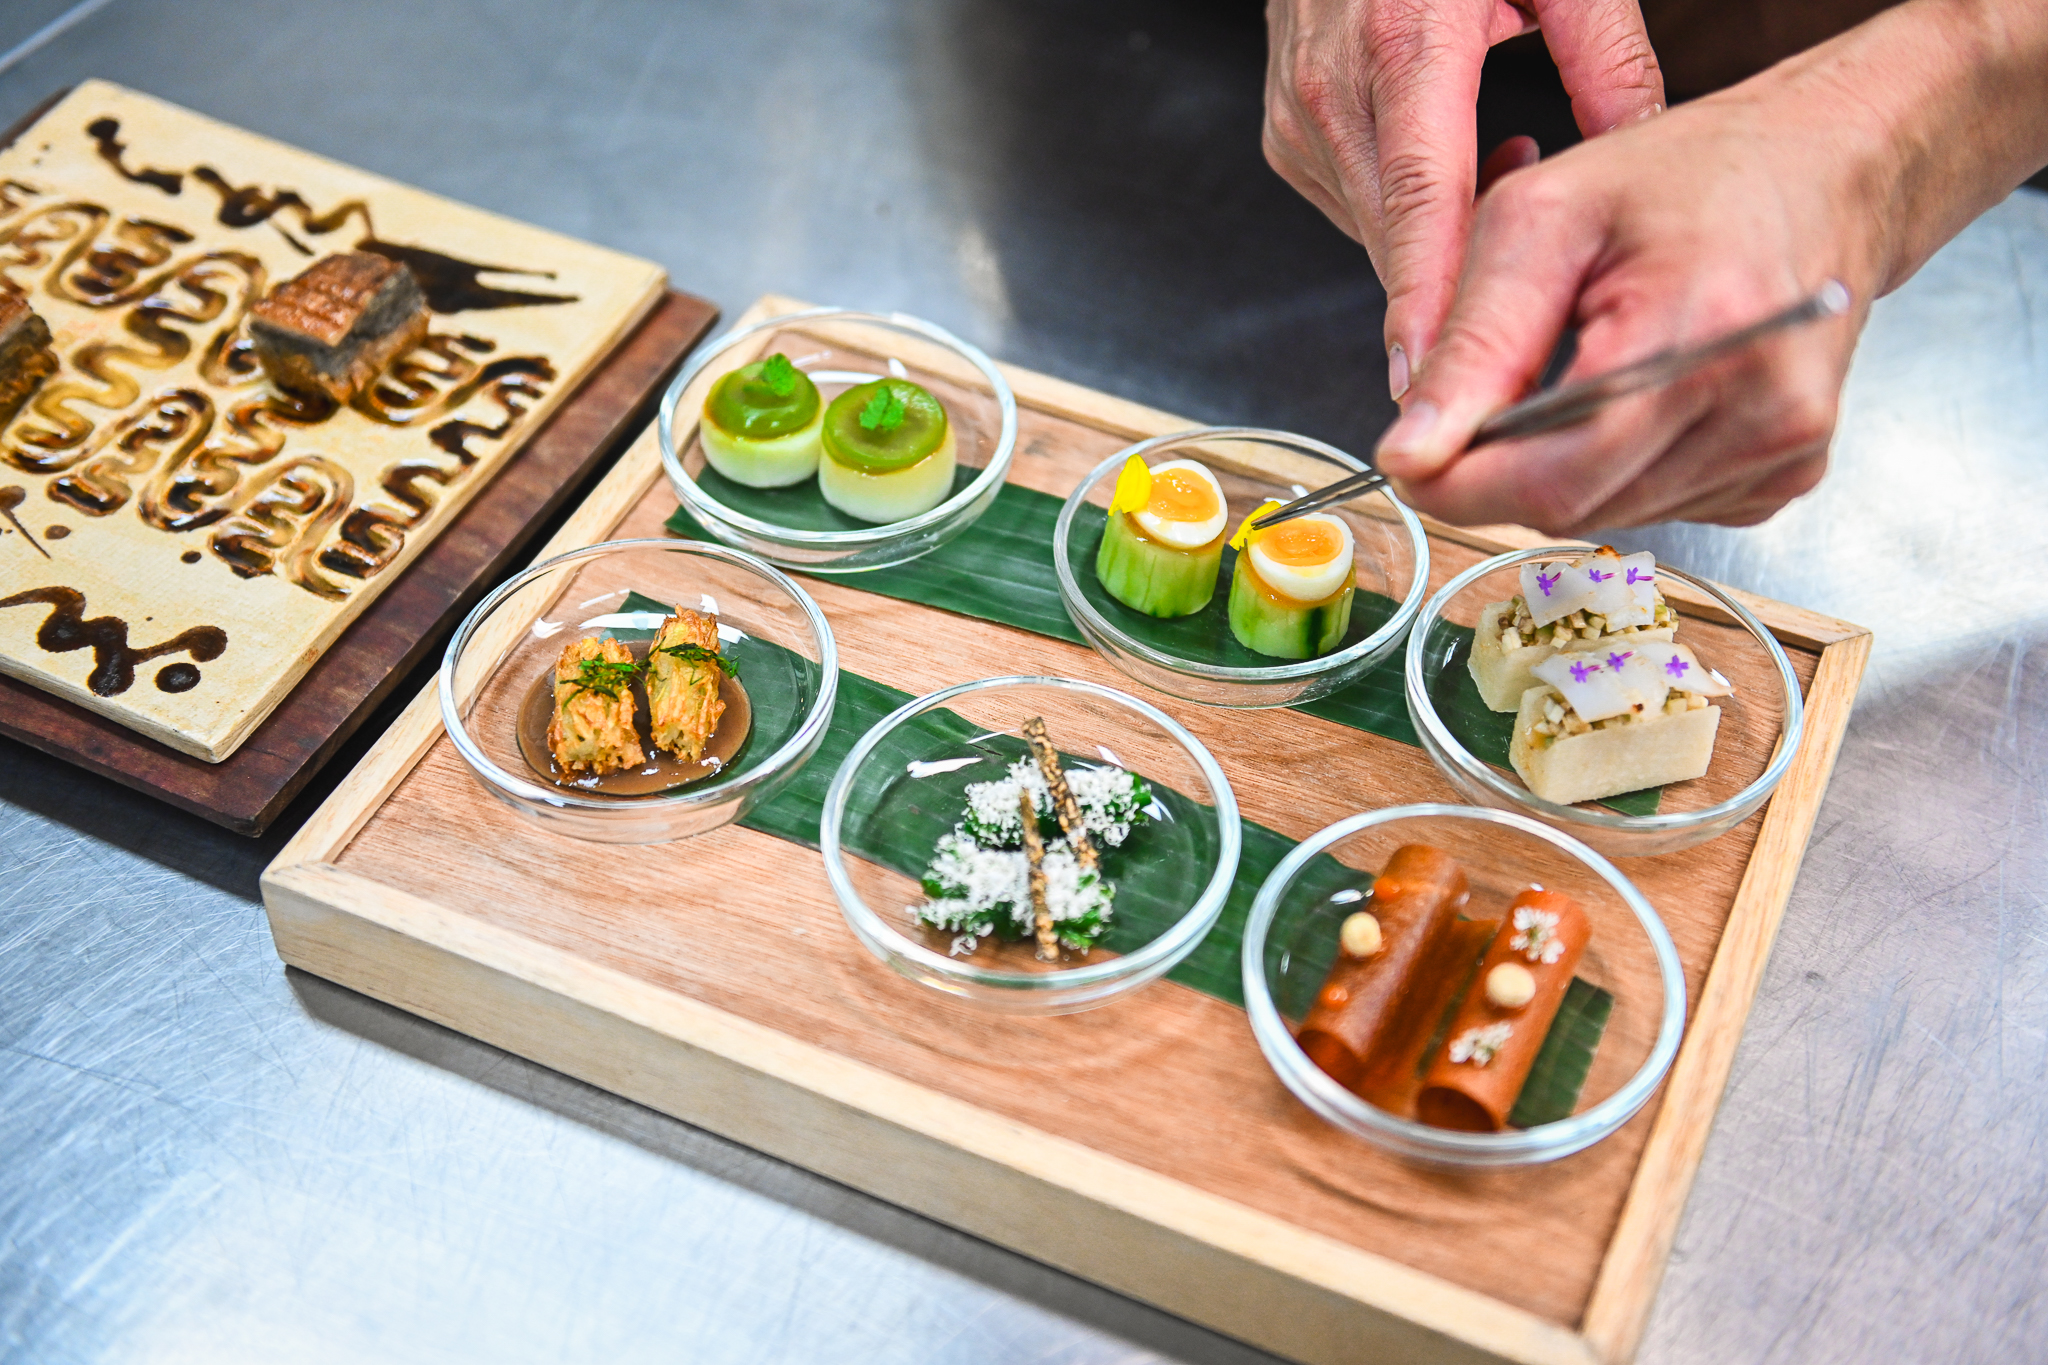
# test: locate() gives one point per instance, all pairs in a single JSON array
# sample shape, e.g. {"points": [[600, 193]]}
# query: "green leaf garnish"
{"points": [[884, 412], [696, 654], [604, 676], [779, 375]]}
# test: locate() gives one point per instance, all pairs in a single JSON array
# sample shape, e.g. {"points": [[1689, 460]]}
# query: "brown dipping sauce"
{"points": [[662, 771]]}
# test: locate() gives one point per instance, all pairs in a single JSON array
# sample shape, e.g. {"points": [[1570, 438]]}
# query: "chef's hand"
{"points": [[1854, 161], [1370, 113]]}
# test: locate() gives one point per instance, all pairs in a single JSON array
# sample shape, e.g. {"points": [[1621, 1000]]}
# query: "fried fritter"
{"points": [[684, 675], [592, 731]]}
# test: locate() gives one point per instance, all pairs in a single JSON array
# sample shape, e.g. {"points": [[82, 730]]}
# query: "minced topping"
{"points": [[1481, 1045], [1111, 802], [978, 884]]}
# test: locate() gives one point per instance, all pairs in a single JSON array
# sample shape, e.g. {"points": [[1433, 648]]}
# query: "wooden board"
{"points": [[1160, 1156], [205, 536], [246, 791]]}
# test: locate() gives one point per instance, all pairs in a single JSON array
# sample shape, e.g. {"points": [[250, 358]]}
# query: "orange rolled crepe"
{"points": [[1414, 898], [1488, 1050]]}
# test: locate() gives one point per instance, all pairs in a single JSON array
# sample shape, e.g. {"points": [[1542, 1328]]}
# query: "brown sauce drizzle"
{"points": [[451, 284], [662, 771], [114, 660], [10, 498], [105, 134]]}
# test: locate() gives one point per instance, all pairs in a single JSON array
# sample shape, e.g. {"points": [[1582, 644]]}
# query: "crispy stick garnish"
{"points": [[1063, 802], [1034, 855]]}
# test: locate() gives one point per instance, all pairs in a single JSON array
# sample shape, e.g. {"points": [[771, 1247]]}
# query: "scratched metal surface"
{"points": [[203, 1158]]}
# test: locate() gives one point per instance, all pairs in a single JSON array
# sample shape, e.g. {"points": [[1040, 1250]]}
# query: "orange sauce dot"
{"points": [[1333, 996], [1182, 495]]}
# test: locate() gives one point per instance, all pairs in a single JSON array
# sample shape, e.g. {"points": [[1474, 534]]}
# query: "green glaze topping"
{"points": [[884, 425], [767, 398]]}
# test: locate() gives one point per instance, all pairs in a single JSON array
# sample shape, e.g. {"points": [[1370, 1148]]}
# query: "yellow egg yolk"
{"points": [[1303, 543], [1182, 495]]}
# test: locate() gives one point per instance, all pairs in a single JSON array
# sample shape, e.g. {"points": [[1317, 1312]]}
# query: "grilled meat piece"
{"points": [[592, 731], [333, 328], [26, 357], [683, 680]]}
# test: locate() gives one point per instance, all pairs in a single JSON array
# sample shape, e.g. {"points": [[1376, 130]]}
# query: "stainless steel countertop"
{"points": [[205, 1158]]}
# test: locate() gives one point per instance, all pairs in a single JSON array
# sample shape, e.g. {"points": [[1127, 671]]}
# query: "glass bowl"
{"points": [[786, 660], [1196, 658], [901, 789], [838, 348], [1290, 941], [1759, 728]]}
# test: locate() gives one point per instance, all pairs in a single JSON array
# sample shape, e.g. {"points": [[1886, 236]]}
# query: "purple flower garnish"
{"points": [[1581, 672], [1547, 581], [1597, 576], [1636, 576], [1676, 666], [1615, 661]]}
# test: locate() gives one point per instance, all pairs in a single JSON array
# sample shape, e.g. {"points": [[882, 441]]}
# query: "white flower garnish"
{"points": [[1479, 1045], [1536, 935]]}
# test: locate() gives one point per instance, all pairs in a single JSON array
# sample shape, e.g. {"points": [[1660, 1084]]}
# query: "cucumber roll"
{"points": [[1162, 547], [1290, 596]]}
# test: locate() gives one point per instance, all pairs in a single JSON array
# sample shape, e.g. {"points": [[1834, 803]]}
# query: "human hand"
{"points": [[1371, 114], [1713, 216]]}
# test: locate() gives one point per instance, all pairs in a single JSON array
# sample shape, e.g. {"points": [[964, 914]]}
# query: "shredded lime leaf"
{"points": [[884, 412], [604, 676], [697, 654], [779, 375]]}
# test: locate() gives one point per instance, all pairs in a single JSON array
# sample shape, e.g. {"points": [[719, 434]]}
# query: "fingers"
{"points": [[1536, 239], [1517, 153], [1424, 100], [1605, 60]]}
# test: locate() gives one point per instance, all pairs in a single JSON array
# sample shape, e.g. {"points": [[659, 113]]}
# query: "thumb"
{"points": [[1531, 252], [1604, 56]]}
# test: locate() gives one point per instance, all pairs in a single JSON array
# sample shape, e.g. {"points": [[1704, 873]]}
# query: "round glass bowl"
{"points": [[1758, 735], [1290, 941], [771, 629], [839, 348], [901, 789], [1196, 658]]}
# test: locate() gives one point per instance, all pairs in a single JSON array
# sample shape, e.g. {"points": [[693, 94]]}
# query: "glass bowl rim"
{"points": [[692, 493], [793, 749], [1187, 932], [1790, 729], [1092, 620], [1559, 1138]]}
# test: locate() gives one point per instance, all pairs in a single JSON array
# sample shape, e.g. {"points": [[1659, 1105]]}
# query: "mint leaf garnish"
{"points": [[884, 412], [779, 375]]}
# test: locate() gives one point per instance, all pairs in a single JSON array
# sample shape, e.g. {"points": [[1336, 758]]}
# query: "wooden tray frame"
{"points": [[1213, 1260]]}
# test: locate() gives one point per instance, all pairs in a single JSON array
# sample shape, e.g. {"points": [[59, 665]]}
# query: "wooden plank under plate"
{"points": [[248, 790], [1160, 1156]]}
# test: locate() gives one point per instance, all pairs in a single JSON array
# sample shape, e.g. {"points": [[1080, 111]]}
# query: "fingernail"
{"points": [[1397, 371], [1405, 441]]}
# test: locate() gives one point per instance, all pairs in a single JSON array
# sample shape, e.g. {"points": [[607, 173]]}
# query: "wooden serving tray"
{"points": [[248, 790], [1145, 1145]]}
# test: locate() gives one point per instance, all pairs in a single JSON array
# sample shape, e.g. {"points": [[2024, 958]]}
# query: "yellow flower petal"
{"points": [[1244, 528], [1133, 487]]}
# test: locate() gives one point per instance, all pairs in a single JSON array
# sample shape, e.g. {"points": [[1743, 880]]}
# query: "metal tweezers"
{"points": [[1570, 404]]}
